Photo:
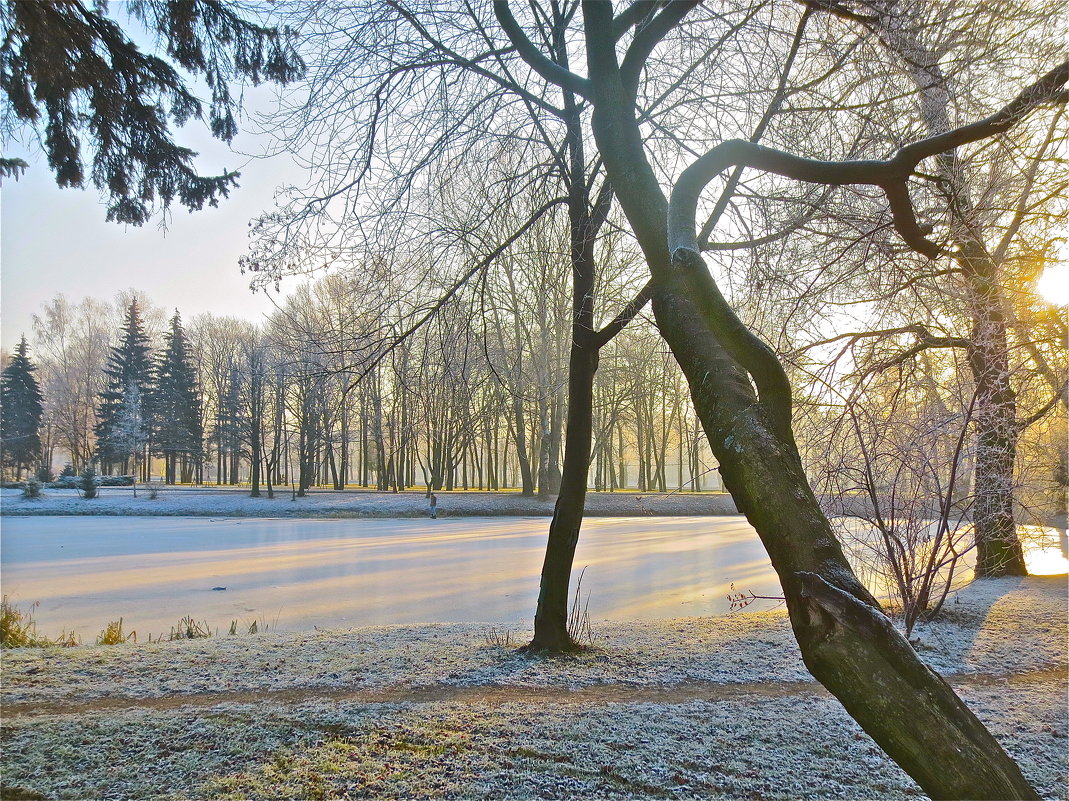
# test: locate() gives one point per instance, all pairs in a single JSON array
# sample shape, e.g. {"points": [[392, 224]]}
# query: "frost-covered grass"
{"points": [[188, 501], [696, 707]]}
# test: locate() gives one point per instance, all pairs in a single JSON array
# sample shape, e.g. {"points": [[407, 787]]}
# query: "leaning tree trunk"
{"points": [[846, 640]]}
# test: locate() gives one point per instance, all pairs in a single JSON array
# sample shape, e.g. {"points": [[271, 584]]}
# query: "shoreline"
{"points": [[225, 502], [716, 708]]}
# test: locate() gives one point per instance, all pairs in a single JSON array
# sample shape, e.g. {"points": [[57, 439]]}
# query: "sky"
{"points": [[56, 240]]}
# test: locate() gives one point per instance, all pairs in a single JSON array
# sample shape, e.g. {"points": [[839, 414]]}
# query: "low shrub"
{"points": [[32, 490], [115, 481], [88, 483]]}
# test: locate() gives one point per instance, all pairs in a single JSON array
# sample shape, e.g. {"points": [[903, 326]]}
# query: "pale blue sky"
{"points": [[54, 240]]}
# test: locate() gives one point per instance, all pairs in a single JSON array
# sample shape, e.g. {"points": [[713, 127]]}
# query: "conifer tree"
{"points": [[178, 432], [74, 80], [122, 419], [20, 411]]}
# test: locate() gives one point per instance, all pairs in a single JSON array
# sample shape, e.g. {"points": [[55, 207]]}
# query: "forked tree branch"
{"points": [[890, 174], [633, 15], [647, 37], [626, 315], [535, 59], [1045, 409]]}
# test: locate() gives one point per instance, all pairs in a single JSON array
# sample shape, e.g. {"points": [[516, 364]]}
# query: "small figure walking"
{"points": [[434, 506]]}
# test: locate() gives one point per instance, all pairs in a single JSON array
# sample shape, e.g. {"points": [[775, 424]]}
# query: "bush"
{"points": [[76, 482], [115, 481], [68, 471], [44, 474], [88, 483], [32, 490]]}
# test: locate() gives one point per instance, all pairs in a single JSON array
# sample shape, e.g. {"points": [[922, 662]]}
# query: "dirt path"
{"points": [[596, 695]]}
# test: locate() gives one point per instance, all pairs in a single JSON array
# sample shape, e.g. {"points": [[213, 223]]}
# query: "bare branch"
{"points": [[548, 69], [890, 174], [647, 37], [1045, 409], [634, 15], [626, 315]]}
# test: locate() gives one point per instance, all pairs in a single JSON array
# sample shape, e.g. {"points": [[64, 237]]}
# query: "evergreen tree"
{"points": [[178, 432], [129, 375], [20, 411], [73, 80]]}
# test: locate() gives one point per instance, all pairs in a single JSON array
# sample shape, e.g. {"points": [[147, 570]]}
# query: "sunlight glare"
{"points": [[1046, 562], [1053, 284], [1044, 550]]}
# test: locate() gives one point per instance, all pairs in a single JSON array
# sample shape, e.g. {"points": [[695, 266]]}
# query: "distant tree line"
{"points": [[475, 400]]}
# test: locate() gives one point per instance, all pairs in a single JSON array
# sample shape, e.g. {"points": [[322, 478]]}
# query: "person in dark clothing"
{"points": [[434, 506]]}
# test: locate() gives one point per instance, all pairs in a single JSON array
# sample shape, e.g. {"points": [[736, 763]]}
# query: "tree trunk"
{"points": [[998, 550], [846, 641], [526, 476], [551, 616]]}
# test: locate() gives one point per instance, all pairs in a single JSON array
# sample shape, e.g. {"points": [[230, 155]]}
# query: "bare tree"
{"points": [[845, 639]]}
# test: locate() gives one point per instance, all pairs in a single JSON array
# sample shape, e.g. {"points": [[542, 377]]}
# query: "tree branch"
{"points": [[890, 174], [535, 59], [1045, 409], [626, 315], [482, 264], [634, 15], [742, 344], [647, 37]]}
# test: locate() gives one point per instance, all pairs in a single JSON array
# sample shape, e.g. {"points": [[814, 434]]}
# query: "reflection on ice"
{"points": [[1046, 550], [331, 573], [87, 571]]}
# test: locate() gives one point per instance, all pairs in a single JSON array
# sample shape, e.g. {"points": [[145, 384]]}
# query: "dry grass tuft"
{"points": [[18, 629], [113, 634]]}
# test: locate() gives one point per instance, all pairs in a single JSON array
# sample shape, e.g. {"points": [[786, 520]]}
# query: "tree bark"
{"points": [[846, 641]]}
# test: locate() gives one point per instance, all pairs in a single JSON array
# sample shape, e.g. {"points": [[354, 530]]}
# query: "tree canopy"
{"points": [[102, 109]]}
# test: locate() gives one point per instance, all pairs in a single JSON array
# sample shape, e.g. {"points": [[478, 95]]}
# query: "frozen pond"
{"points": [[152, 571]]}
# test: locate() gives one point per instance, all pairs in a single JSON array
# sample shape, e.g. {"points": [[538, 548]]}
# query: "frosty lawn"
{"points": [[695, 707]]}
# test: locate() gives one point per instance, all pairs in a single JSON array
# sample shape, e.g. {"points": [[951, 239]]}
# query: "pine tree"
{"points": [[178, 433], [129, 374], [20, 411], [73, 80]]}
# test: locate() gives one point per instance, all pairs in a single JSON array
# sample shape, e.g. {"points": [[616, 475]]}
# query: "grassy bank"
{"points": [[714, 708]]}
